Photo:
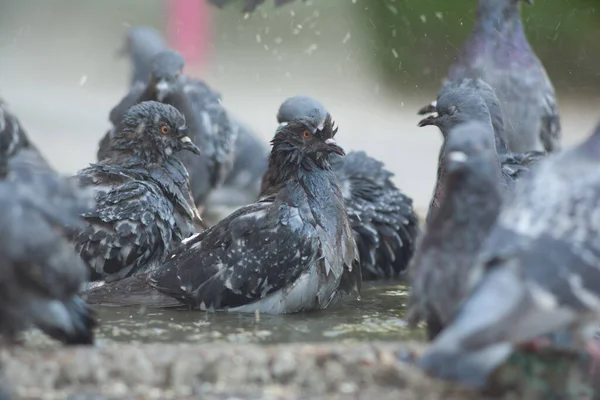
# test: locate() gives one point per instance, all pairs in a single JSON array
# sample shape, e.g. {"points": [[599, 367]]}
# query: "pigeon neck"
{"points": [[470, 199], [499, 17], [131, 155], [286, 164]]}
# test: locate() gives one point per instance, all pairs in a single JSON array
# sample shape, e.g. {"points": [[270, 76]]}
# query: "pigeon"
{"points": [[242, 185], [498, 52], [209, 125], [143, 199], [382, 218], [292, 250], [40, 273], [142, 43], [537, 273], [249, 5], [453, 237], [465, 101], [14, 142]]}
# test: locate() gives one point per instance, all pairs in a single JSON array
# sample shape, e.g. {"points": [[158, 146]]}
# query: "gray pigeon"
{"points": [[144, 204], [142, 43], [242, 185], [382, 218], [208, 123], [14, 142], [448, 249], [498, 52], [292, 250], [40, 274], [473, 100], [249, 5], [538, 271]]}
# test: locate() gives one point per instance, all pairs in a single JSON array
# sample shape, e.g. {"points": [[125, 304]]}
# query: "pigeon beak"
{"points": [[188, 145], [431, 120], [428, 109], [162, 88], [333, 147], [455, 160]]}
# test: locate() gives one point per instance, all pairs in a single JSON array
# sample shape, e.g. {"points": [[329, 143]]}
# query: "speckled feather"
{"points": [[382, 218], [40, 273], [498, 52], [384, 223], [144, 204], [538, 272], [290, 251]]}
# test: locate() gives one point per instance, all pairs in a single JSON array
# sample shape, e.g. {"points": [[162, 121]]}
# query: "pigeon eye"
{"points": [[164, 129], [306, 134]]}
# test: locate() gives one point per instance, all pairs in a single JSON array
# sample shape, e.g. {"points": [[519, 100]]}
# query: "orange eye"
{"points": [[164, 129], [306, 134]]}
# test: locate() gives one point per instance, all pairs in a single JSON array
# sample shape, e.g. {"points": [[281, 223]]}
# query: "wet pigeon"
{"points": [[498, 52], [208, 123], [292, 250], [144, 203], [142, 43], [470, 204], [249, 5], [40, 274], [538, 271], [384, 223], [14, 142], [468, 100]]}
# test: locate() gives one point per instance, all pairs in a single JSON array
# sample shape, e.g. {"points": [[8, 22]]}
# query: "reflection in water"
{"points": [[377, 316]]}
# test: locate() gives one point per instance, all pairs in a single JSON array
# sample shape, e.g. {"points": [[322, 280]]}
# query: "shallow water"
{"points": [[377, 316]]}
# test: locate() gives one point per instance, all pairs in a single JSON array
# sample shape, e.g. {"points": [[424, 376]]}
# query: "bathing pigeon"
{"points": [[382, 218], [40, 273], [465, 101], [142, 43], [144, 204], [498, 52], [470, 204], [249, 5], [538, 271], [208, 123], [292, 250], [14, 142]]}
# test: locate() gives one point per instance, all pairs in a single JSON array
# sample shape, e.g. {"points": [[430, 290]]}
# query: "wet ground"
{"points": [[376, 316]]}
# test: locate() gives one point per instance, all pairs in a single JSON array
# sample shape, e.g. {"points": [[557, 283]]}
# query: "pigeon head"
{"points": [[307, 136], [457, 103], [154, 131], [167, 67], [301, 106], [142, 41], [469, 149]]}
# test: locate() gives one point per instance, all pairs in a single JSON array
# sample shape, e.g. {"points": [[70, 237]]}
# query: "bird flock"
{"points": [[507, 255]]}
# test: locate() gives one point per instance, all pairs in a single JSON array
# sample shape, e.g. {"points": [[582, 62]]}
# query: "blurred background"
{"points": [[373, 63]]}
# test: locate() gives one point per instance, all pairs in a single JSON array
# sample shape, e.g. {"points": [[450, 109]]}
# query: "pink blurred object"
{"points": [[189, 30]]}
